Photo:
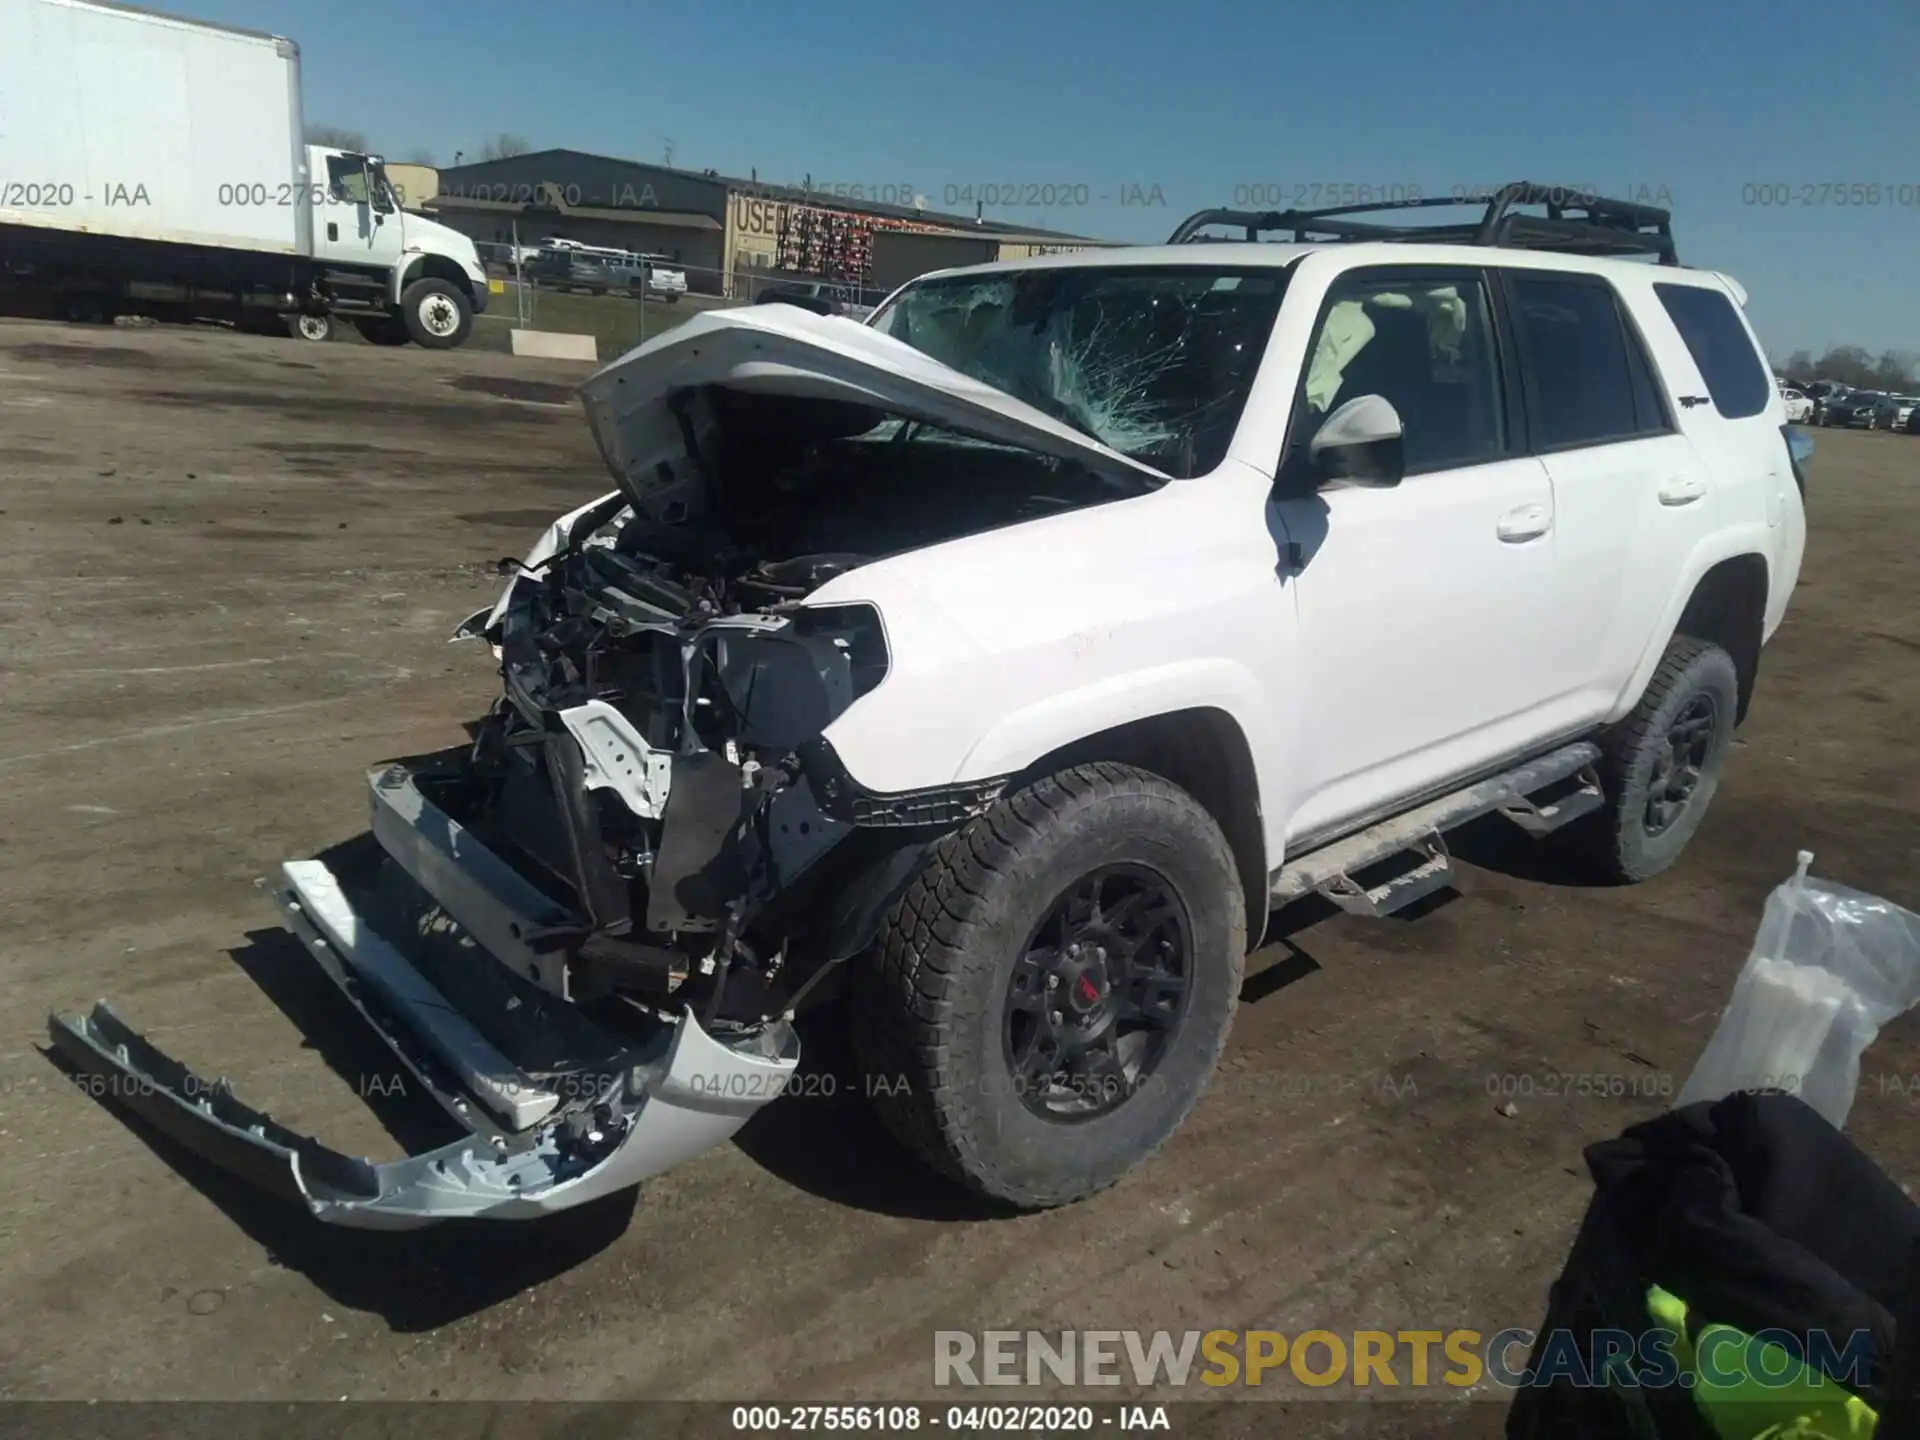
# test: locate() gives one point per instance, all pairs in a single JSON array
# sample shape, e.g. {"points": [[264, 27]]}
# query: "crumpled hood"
{"points": [[784, 350]]}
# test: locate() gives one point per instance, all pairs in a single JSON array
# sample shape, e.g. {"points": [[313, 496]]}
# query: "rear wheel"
{"points": [[1661, 765], [314, 327], [1047, 1000], [437, 313]]}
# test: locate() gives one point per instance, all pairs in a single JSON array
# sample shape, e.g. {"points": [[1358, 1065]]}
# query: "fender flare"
{"points": [[1021, 738], [408, 271], [1723, 545]]}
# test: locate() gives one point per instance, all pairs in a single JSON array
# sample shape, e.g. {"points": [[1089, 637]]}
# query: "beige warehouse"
{"points": [[729, 233]]}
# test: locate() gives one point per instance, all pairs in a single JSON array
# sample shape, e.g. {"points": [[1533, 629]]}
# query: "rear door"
{"points": [[1739, 429], [1631, 494]]}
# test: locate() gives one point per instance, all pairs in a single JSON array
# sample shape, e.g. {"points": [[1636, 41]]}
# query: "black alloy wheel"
{"points": [[1098, 993], [1677, 771]]}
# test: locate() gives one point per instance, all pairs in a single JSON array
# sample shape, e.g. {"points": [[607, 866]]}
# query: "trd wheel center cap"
{"points": [[1087, 989]]}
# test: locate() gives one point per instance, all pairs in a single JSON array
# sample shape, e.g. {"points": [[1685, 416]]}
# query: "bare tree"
{"points": [[1853, 366], [420, 155], [336, 137], [1894, 371], [1848, 364], [504, 146]]}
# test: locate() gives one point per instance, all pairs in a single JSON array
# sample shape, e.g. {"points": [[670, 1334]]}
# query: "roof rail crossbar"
{"points": [[1576, 223]]}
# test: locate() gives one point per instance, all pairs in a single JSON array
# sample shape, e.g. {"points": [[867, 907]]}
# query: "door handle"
{"points": [[1682, 490], [1524, 522]]}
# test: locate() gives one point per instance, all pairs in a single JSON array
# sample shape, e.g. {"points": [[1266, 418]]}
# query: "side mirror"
{"points": [[1360, 443]]}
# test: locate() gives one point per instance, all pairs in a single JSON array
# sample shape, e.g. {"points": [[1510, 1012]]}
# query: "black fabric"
{"points": [[1758, 1214]]}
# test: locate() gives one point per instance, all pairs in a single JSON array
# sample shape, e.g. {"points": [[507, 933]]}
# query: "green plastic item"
{"points": [[1804, 1406]]}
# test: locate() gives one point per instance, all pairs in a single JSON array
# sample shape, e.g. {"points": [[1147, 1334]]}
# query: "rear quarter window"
{"points": [[1720, 346]]}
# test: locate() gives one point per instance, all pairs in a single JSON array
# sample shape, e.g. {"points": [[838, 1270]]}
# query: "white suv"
{"points": [[1002, 662]]}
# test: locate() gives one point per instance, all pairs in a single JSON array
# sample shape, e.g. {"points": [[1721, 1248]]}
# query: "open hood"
{"points": [[783, 350]]}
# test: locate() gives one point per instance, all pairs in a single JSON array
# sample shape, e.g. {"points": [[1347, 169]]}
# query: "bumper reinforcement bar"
{"points": [[533, 1144]]}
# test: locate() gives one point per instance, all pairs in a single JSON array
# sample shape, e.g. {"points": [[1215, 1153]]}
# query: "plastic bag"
{"points": [[1828, 968]]}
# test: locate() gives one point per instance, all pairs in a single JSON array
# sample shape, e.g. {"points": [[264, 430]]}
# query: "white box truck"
{"points": [[149, 162]]}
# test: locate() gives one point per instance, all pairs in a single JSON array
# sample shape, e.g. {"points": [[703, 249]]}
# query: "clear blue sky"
{"points": [[1699, 100]]}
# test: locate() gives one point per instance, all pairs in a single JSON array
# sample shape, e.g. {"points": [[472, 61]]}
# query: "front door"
{"points": [[356, 223], [1421, 620]]}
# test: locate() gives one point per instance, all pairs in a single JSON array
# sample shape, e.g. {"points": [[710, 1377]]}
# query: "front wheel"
{"points": [[1661, 765], [1047, 1000], [437, 313]]}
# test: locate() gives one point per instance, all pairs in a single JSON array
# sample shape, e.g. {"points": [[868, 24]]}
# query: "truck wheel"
{"points": [[437, 313], [1046, 1001], [383, 330], [310, 327], [1661, 765]]}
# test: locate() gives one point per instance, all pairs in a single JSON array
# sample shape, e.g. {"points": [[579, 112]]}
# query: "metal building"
{"points": [[728, 233]]}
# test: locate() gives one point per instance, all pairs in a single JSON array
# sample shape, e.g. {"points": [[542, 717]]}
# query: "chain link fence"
{"points": [[623, 300]]}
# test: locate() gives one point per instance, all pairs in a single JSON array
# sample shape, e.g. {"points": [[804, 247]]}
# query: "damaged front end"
{"points": [[587, 932]]}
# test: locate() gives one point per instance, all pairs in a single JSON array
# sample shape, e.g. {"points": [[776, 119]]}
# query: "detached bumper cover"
{"points": [[534, 1142]]}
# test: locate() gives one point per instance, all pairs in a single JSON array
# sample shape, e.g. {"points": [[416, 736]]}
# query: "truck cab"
{"points": [[399, 276]]}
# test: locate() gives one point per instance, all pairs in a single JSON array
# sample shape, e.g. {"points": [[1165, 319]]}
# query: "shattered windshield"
{"points": [[1155, 363]]}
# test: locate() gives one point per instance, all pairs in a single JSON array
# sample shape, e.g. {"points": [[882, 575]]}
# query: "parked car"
{"points": [[1799, 407], [823, 297], [946, 669], [1849, 409], [663, 280], [1891, 413], [605, 272]]}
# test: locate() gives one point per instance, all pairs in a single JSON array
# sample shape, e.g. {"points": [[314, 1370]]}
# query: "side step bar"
{"points": [[1331, 870]]}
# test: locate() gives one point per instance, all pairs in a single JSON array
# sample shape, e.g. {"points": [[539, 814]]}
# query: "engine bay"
{"points": [[657, 755]]}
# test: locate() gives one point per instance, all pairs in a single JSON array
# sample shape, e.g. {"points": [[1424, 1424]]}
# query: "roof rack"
{"points": [[1576, 223]]}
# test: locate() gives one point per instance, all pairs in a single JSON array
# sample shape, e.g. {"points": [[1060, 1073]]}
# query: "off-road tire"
{"points": [[928, 1000], [1616, 838]]}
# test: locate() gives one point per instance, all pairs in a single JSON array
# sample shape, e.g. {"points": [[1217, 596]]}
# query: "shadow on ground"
{"points": [[414, 1280], [823, 1137]]}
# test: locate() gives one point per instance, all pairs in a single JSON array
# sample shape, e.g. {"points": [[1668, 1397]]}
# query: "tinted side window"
{"points": [[1424, 342], [1650, 414], [1706, 320], [1579, 376]]}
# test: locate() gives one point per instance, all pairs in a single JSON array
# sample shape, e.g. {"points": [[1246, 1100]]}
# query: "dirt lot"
{"points": [[228, 568]]}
